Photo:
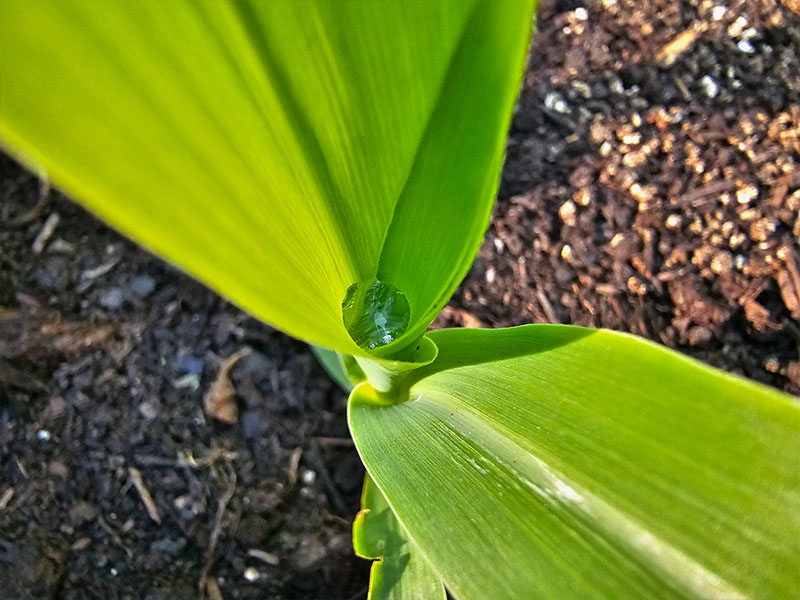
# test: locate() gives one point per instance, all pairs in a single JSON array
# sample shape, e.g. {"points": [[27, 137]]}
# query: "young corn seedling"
{"points": [[330, 167]]}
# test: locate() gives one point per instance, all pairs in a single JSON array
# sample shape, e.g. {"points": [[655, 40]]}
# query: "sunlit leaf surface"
{"points": [[280, 150], [559, 462]]}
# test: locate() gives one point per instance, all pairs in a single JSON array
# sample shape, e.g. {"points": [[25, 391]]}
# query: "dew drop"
{"points": [[375, 313]]}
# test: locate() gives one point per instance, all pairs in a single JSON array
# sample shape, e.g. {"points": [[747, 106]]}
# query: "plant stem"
{"points": [[386, 376]]}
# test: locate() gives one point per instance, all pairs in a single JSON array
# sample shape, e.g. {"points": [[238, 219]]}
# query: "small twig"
{"points": [[265, 557], [100, 270], [710, 189], [222, 504], [5, 500], [546, 307], [213, 457], [334, 441], [339, 520], [185, 460], [114, 535], [294, 464], [682, 89], [212, 589], [45, 232], [319, 464], [144, 494]]}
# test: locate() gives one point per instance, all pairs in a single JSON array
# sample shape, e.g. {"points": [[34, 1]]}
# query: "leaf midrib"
{"points": [[446, 75]]}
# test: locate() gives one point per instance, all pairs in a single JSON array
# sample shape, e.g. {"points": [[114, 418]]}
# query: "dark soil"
{"points": [[650, 186], [106, 354], [651, 183]]}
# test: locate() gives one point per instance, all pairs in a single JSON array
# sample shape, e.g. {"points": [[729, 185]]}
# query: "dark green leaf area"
{"points": [[334, 365], [399, 572], [375, 313], [376, 528], [549, 461]]}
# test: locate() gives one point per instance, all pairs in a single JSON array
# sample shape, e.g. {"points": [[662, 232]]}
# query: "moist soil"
{"points": [[650, 186]]}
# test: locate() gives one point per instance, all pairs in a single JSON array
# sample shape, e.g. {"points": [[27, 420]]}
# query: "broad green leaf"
{"points": [[399, 572], [280, 150], [559, 462]]}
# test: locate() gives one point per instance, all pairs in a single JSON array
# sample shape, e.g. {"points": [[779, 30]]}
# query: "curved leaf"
{"points": [[558, 462], [399, 572], [279, 151]]}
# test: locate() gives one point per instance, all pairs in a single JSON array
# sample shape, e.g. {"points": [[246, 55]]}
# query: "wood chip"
{"points": [[699, 335], [790, 290], [789, 293], [567, 213], [636, 286], [265, 557], [606, 289], [713, 188], [759, 316], [670, 52], [294, 464], [220, 402]]}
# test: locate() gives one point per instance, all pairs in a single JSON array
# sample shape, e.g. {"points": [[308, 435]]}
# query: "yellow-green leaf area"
{"points": [[279, 151]]}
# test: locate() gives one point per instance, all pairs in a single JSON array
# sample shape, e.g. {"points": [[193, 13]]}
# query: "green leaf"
{"points": [[332, 363], [342, 368], [399, 572], [279, 151], [559, 462]]}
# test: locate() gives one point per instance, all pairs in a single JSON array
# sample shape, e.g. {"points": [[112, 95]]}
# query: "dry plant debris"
{"points": [[220, 402]]}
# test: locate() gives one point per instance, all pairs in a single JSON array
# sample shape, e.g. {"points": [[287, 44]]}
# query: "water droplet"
{"points": [[480, 469], [375, 313]]}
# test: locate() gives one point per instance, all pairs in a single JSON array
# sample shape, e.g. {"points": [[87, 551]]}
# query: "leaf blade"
{"points": [[457, 160], [160, 146], [261, 146], [602, 495], [398, 571]]}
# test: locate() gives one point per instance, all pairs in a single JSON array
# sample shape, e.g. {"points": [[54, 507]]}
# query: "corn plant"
{"points": [[330, 167]]}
